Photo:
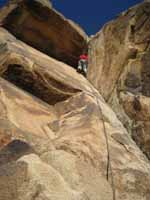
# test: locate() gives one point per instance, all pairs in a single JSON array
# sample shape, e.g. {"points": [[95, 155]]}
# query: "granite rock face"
{"points": [[39, 25], [65, 144], [119, 68], [59, 139]]}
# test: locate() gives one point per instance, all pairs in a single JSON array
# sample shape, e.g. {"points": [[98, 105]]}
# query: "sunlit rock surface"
{"points": [[119, 63], [59, 139]]}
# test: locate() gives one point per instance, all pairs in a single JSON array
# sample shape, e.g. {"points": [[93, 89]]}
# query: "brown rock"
{"points": [[141, 123], [39, 25], [119, 62], [45, 78], [34, 179], [40, 76], [60, 139]]}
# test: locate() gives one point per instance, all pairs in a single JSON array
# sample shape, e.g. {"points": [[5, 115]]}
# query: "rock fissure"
{"points": [[133, 70], [109, 169], [35, 84], [142, 23]]}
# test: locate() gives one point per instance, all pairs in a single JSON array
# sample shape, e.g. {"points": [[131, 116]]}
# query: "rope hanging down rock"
{"points": [[101, 117], [109, 165]]}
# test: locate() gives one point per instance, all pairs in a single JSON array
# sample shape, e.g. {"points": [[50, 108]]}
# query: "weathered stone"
{"points": [[45, 78], [30, 178], [138, 108], [119, 62], [36, 74], [28, 124], [69, 130], [59, 139], [39, 25], [13, 151]]}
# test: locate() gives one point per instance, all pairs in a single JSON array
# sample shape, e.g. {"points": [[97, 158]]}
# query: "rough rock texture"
{"points": [[39, 25], [59, 139], [67, 143], [120, 69]]}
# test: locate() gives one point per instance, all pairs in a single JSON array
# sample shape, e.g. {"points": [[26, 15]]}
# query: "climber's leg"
{"points": [[82, 67], [85, 67], [79, 68]]}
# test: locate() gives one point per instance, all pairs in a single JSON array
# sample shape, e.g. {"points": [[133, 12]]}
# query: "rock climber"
{"points": [[83, 63]]}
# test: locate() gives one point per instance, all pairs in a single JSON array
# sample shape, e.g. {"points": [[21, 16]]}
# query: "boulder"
{"points": [[39, 25], [119, 57]]}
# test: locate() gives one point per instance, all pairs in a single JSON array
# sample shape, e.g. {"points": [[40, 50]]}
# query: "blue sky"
{"points": [[91, 14]]}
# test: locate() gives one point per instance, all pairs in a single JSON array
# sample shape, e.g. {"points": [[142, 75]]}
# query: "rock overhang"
{"points": [[41, 76], [42, 27]]}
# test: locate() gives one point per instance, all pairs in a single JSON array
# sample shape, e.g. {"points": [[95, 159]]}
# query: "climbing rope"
{"points": [[109, 165], [101, 117]]}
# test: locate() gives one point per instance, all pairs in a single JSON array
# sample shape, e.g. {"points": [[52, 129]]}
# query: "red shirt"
{"points": [[84, 57]]}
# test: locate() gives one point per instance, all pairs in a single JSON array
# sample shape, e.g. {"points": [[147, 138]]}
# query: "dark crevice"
{"points": [[137, 105], [14, 150], [50, 91], [138, 136], [145, 75], [132, 29]]}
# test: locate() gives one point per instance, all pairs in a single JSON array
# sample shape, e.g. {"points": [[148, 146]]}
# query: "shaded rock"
{"points": [[45, 3], [13, 151], [141, 123], [39, 25], [119, 57]]}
